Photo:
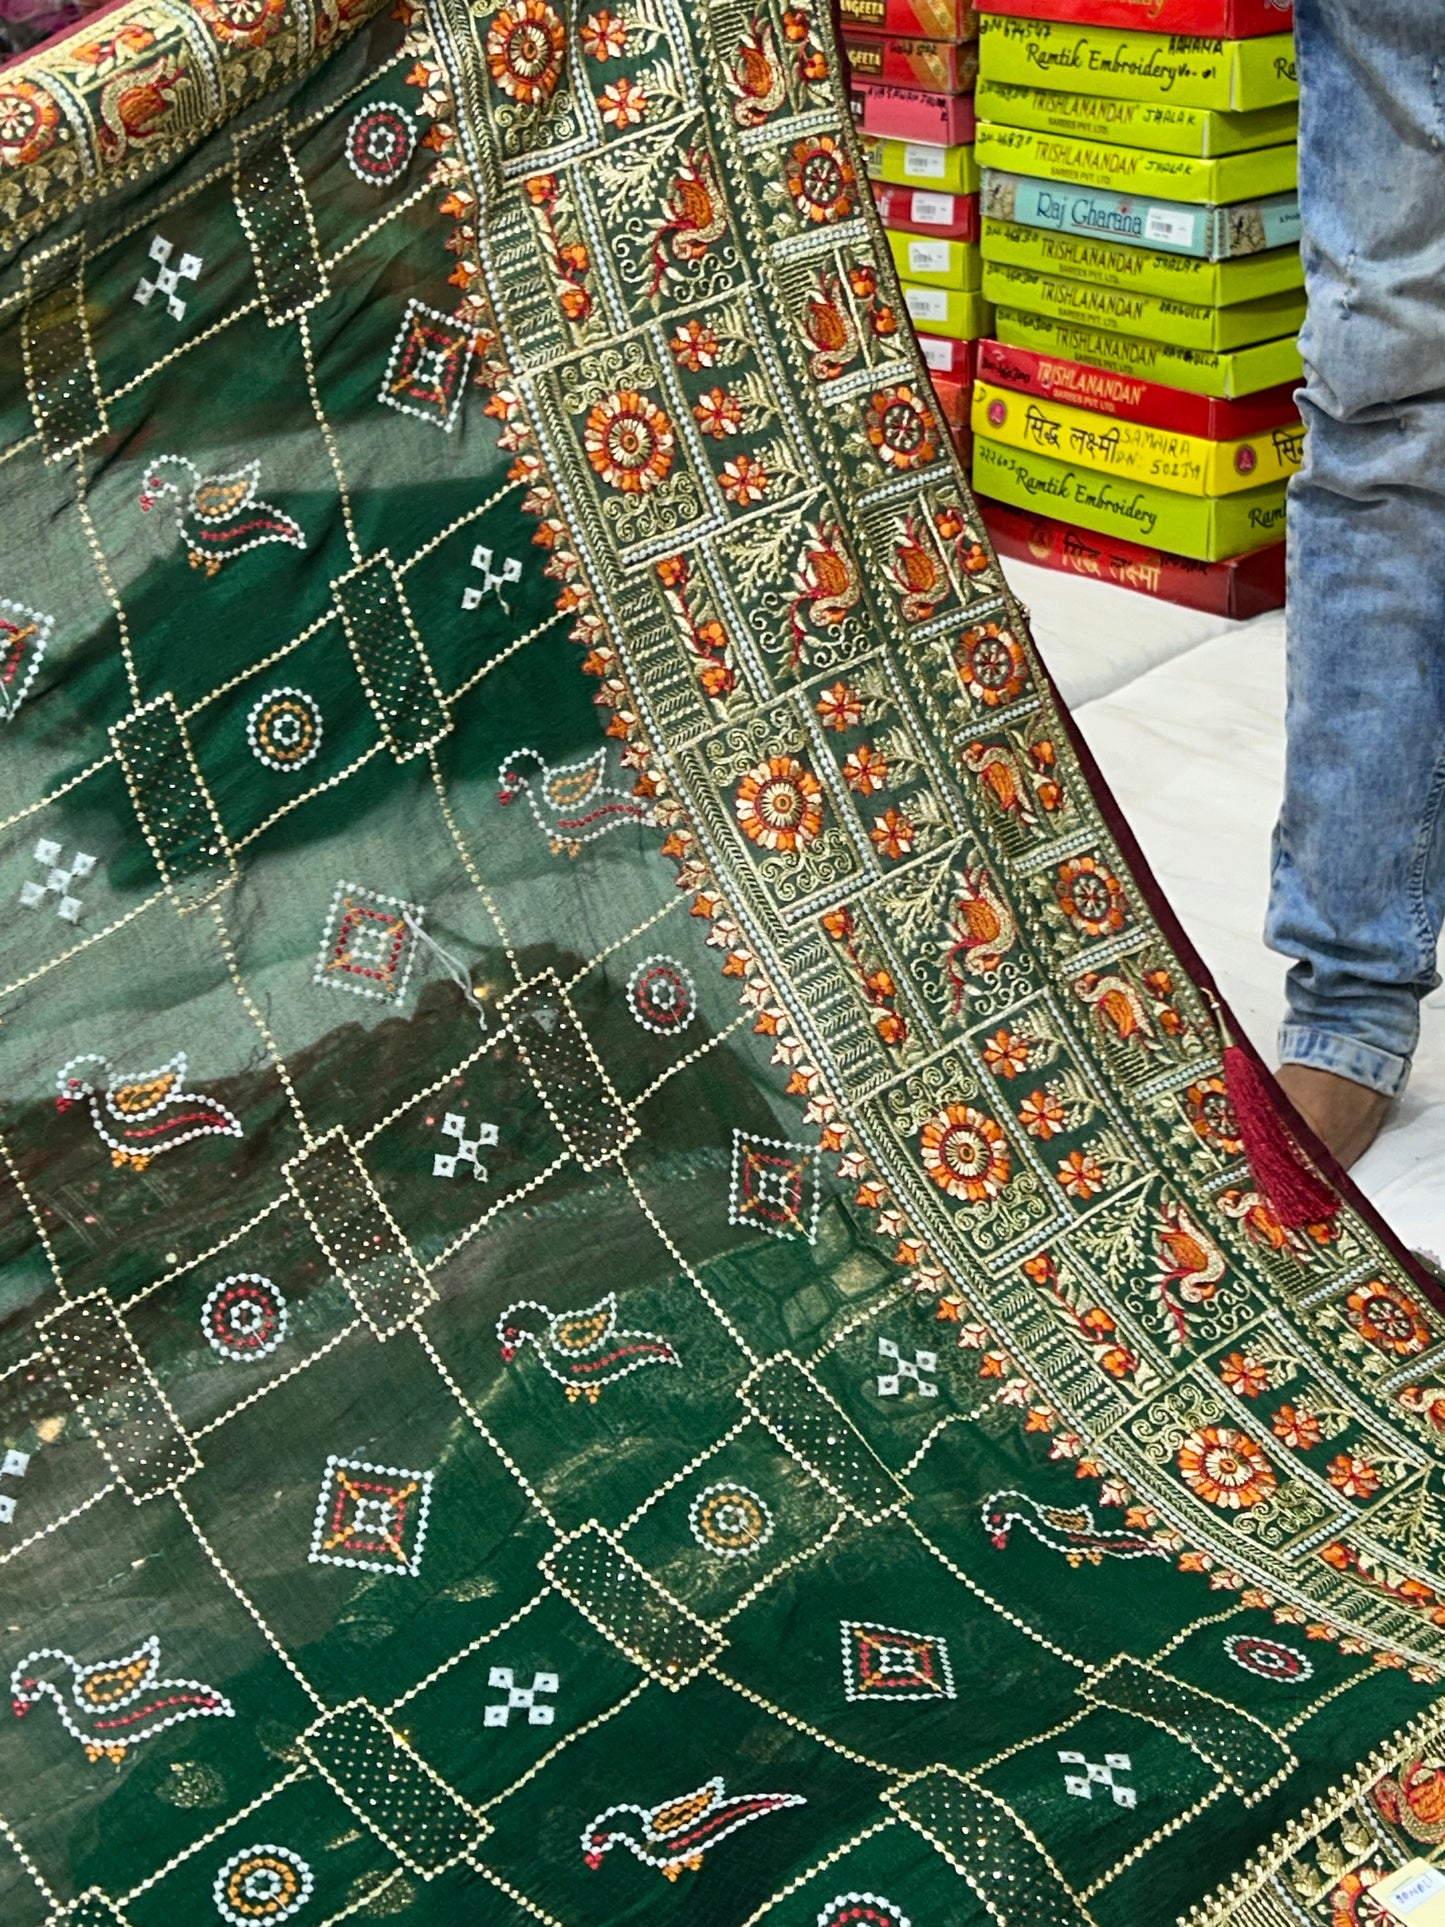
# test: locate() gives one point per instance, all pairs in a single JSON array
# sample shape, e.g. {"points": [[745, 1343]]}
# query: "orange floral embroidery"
{"points": [[779, 805], [525, 43], [965, 1153], [629, 442], [1090, 896], [1226, 1467]]}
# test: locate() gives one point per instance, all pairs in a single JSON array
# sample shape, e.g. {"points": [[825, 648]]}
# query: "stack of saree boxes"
{"points": [[913, 65], [1133, 413]]}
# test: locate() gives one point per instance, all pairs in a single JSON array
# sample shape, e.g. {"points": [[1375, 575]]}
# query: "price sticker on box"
{"points": [[927, 162], [928, 257], [931, 210], [927, 304], [937, 352], [1171, 227], [1415, 1895]]}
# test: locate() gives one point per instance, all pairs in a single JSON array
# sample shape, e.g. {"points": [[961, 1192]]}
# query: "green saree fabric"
{"points": [[631, 1292]]}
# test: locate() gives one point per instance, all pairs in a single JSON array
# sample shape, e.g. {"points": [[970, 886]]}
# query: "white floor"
{"points": [[1185, 713]]}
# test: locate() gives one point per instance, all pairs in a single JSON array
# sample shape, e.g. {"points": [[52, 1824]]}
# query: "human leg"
{"points": [[1358, 884]]}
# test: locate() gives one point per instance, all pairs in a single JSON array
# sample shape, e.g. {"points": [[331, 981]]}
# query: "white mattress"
{"points": [[1185, 713]]}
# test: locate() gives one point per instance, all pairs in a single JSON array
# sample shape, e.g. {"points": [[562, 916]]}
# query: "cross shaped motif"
{"points": [[168, 279], [520, 1698], [492, 582], [13, 1465], [444, 1164], [906, 1370], [58, 880], [1094, 1775]]}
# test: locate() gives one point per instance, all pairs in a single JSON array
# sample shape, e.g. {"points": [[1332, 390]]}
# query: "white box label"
{"points": [[1162, 224], [933, 210], [927, 304], [1410, 1894], [928, 257], [936, 352], [927, 161]]}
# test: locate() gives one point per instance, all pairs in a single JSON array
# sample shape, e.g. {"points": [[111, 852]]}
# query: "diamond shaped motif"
{"points": [[371, 1515], [882, 1663], [775, 1186], [369, 943], [426, 372]]}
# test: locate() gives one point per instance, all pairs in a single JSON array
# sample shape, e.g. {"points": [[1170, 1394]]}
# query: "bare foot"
{"points": [[1345, 1116]]}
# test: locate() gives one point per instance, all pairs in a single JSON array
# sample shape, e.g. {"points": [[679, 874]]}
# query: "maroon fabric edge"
{"points": [[69, 31], [1183, 944]]}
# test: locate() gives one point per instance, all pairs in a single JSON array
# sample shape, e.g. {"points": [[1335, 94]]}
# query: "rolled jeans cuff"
{"points": [[1326, 1050]]}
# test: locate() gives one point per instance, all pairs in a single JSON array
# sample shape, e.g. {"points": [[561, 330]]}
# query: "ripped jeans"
{"points": [[1358, 880]]}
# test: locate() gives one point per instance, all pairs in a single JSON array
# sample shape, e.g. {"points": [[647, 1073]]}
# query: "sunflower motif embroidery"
{"points": [[901, 429], [779, 805], [251, 23], [525, 44], [965, 1153], [1226, 1467], [1212, 1115], [629, 442], [991, 665], [29, 122], [1386, 1318], [1090, 896], [820, 179]]}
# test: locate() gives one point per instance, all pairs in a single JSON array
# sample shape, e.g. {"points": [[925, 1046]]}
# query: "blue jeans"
{"points": [[1358, 881]]}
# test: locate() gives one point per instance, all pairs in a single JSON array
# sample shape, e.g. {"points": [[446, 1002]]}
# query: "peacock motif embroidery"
{"points": [[1066, 1529], [218, 516], [115, 1704], [573, 803], [583, 1350], [675, 1835], [139, 1115]]}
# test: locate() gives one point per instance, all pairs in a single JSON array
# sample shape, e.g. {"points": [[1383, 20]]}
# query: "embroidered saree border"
{"points": [[138, 86], [1031, 822], [663, 722]]}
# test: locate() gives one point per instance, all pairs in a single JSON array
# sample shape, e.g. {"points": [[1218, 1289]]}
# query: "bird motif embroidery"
{"points": [[1188, 1262], [1066, 1529], [141, 1114], [1118, 1007], [218, 515], [572, 802], [757, 82], [116, 1703], [583, 1350], [675, 1835], [983, 930], [1001, 775]]}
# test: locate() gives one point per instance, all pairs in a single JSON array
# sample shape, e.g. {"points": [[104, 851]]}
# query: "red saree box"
{"points": [[913, 210], [930, 19], [947, 357], [954, 398], [1240, 586], [1129, 399], [1207, 19], [901, 113], [934, 66]]}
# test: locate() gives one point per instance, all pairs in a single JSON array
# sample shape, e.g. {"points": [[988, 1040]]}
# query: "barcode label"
{"points": [[1163, 224], [936, 352], [928, 257], [927, 304], [932, 210], [927, 161]]}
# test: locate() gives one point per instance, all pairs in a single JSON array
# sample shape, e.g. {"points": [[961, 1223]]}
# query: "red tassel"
{"points": [[1293, 1191]]}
